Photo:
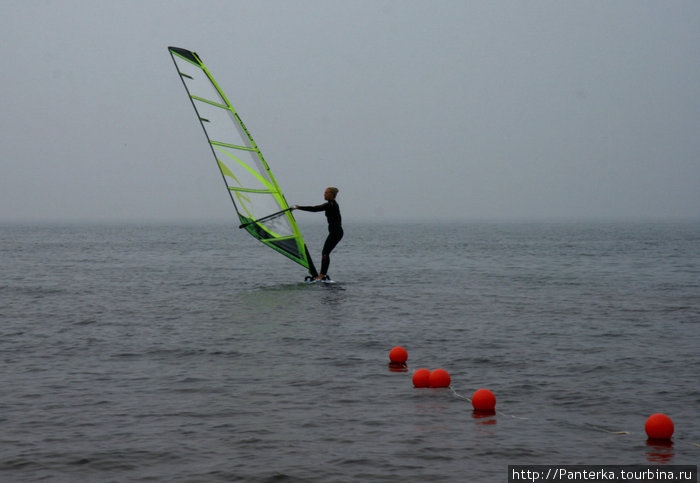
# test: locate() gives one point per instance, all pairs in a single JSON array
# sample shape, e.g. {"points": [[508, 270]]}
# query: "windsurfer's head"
{"points": [[330, 193]]}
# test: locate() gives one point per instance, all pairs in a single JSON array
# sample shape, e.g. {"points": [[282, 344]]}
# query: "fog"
{"points": [[449, 110]]}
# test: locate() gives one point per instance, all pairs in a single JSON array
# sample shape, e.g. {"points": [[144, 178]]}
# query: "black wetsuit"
{"points": [[335, 230]]}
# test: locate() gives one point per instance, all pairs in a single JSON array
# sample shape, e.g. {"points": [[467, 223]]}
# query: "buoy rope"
{"points": [[606, 430], [599, 428], [497, 412], [459, 395], [675, 440], [619, 433]]}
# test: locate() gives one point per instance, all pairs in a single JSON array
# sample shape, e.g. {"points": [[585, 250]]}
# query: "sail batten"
{"points": [[256, 196], [243, 148], [216, 104], [250, 190]]}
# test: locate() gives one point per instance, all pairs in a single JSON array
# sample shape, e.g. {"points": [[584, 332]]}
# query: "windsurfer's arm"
{"points": [[312, 208]]}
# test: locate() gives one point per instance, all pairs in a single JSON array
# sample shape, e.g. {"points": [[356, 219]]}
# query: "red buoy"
{"points": [[421, 378], [439, 378], [484, 400], [398, 354], [659, 426]]}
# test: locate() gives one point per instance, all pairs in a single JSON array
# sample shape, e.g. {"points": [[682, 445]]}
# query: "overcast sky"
{"points": [[414, 109]]}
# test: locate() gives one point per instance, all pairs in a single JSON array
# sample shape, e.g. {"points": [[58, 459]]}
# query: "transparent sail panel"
{"points": [[221, 126], [197, 82]]}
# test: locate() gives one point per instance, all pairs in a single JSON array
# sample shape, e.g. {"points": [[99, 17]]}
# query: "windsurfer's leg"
{"points": [[331, 241], [325, 261]]}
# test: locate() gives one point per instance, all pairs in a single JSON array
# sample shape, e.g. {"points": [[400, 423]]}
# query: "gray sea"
{"points": [[193, 353]]}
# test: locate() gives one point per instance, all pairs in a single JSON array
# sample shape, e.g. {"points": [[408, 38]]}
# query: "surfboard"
{"points": [[326, 280]]}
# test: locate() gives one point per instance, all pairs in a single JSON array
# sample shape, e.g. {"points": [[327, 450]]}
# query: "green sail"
{"points": [[258, 199]]}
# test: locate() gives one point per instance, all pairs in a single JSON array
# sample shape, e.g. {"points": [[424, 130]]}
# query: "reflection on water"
{"points": [[659, 451]]}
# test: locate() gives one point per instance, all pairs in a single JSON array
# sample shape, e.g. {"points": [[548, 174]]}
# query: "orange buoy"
{"points": [[398, 354], [421, 378], [484, 400], [659, 426], [439, 378]]}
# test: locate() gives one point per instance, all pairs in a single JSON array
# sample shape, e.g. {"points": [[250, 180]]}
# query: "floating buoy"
{"points": [[421, 378], [484, 400], [439, 378], [398, 354], [659, 426]]}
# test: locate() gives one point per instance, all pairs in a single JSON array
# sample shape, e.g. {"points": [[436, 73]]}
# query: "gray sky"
{"points": [[414, 109]]}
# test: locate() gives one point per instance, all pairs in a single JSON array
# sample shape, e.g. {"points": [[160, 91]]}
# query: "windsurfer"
{"points": [[335, 228]]}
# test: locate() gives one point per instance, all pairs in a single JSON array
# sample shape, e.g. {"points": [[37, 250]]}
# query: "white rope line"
{"points": [[497, 412], [620, 433]]}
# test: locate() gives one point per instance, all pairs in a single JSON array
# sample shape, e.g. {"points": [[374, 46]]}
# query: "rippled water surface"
{"points": [[193, 353]]}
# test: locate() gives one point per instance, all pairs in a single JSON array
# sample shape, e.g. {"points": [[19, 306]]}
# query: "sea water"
{"points": [[194, 353]]}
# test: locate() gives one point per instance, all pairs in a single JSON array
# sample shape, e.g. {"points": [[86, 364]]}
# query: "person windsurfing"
{"points": [[335, 228]]}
